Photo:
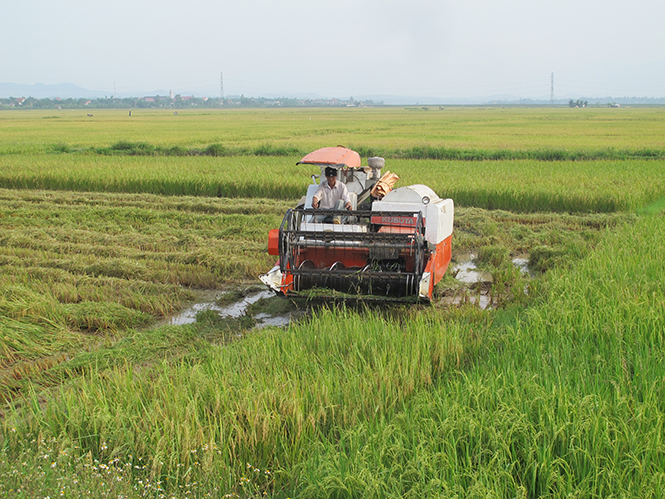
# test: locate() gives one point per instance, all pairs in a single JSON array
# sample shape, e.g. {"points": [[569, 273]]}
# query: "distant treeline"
{"points": [[126, 148], [177, 102], [188, 102]]}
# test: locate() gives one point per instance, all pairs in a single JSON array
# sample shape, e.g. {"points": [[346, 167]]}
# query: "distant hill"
{"points": [[41, 91], [64, 91]]}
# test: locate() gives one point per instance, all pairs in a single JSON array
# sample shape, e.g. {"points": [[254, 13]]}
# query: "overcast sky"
{"points": [[461, 48]]}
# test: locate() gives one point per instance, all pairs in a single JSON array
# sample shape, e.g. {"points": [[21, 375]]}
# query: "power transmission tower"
{"points": [[552, 91], [221, 88]]}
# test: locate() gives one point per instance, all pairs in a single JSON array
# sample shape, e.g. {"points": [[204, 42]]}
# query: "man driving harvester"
{"points": [[331, 195]]}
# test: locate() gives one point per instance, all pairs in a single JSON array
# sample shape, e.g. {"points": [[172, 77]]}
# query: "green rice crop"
{"points": [[172, 176], [81, 264], [521, 186], [567, 400], [532, 186], [563, 398], [254, 393]]}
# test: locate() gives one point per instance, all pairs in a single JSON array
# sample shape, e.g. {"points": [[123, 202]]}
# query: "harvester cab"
{"points": [[358, 180], [393, 243]]}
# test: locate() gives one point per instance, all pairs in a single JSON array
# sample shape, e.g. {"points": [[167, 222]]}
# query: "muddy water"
{"points": [[522, 263], [467, 272], [209, 301]]}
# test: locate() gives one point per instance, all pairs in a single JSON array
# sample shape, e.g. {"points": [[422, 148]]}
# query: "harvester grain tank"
{"points": [[393, 243]]}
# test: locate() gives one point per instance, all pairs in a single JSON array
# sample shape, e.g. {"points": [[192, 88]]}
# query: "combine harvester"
{"points": [[392, 244]]}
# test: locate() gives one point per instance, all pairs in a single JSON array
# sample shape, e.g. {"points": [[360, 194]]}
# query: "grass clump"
{"points": [[463, 154], [128, 148], [91, 317], [493, 255], [215, 150], [545, 258], [61, 147], [275, 305], [271, 150], [221, 328], [413, 153], [229, 297]]}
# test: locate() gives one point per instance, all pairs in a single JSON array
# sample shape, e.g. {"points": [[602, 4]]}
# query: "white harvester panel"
{"points": [[438, 213], [325, 227]]}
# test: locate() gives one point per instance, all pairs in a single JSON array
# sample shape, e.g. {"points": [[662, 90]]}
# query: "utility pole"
{"points": [[221, 89], [552, 91]]}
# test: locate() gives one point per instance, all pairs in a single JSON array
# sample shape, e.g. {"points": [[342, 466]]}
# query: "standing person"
{"points": [[331, 195]]}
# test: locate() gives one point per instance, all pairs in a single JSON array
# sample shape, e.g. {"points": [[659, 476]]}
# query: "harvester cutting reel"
{"points": [[371, 253]]}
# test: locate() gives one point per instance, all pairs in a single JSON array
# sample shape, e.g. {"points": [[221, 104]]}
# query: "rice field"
{"points": [[558, 391], [512, 129]]}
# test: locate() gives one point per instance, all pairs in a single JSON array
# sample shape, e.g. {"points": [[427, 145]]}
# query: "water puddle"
{"points": [[478, 283], [234, 304], [464, 269], [522, 263], [481, 298], [270, 320]]}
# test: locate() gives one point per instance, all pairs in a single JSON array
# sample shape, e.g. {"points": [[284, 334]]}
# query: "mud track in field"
{"points": [[266, 309]]}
